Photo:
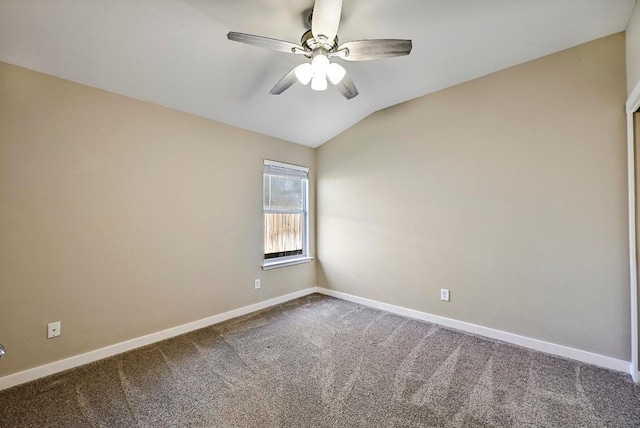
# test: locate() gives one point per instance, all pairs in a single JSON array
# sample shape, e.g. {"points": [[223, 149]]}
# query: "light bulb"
{"points": [[336, 73], [319, 82], [320, 64], [304, 73]]}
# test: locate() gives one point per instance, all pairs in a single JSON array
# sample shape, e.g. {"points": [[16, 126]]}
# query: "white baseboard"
{"points": [[108, 351], [527, 342]]}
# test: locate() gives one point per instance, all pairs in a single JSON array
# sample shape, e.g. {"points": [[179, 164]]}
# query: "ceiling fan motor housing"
{"points": [[312, 43]]}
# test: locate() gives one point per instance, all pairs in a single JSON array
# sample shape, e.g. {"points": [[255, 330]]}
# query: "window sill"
{"points": [[283, 263]]}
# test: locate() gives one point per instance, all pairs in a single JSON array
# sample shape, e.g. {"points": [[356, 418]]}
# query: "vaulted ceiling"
{"points": [[175, 52]]}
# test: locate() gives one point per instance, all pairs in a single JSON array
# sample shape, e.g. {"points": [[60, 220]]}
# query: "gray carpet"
{"points": [[324, 362]]}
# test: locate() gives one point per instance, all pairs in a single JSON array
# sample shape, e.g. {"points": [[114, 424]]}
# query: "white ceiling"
{"points": [[175, 52]]}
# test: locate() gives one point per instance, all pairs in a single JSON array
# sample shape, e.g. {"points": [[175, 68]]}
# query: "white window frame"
{"points": [[298, 258]]}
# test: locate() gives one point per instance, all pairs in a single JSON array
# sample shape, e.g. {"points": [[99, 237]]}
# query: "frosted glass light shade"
{"points": [[336, 73], [319, 82], [304, 73], [320, 64]]}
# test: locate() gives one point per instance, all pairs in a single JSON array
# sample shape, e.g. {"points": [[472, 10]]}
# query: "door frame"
{"points": [[632, 106]]}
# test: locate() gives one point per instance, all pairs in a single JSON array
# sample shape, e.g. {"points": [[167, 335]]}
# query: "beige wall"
{"points": [[633, 50], [121, 218], [509, 190]]}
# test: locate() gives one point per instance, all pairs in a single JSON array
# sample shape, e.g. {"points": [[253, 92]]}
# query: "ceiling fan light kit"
{"points": [[319, 44]]}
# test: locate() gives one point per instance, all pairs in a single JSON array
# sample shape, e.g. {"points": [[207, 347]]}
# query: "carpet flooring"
{"points": [[324, 362]]}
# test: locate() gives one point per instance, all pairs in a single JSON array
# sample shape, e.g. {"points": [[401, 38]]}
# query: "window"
{"points": [[285, 214]]}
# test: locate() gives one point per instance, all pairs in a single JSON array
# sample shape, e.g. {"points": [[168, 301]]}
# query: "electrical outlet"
{"points": [[53, 329], [257, 284], [444, 295]]}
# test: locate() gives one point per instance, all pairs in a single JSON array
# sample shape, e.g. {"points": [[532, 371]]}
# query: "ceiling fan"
{"points": [[321, 43]]}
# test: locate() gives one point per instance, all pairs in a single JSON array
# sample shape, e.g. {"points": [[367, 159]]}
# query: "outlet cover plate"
{"points": [[444, 295], [53, 329]]}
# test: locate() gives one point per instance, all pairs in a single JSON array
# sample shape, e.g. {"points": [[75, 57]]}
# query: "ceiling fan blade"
{"points": [[265, 42], [364, 50], [346, 87], [286, 82], [326, 18]]}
